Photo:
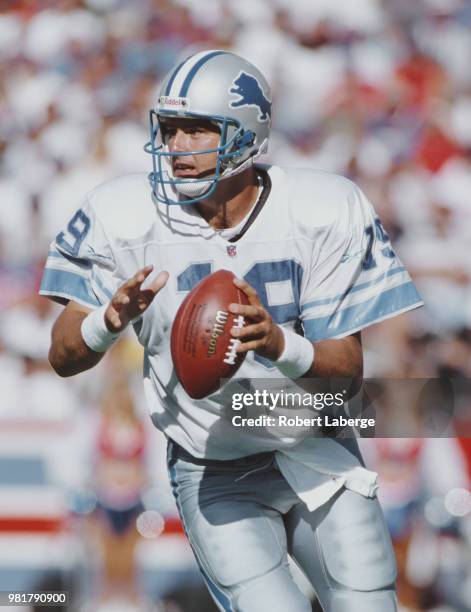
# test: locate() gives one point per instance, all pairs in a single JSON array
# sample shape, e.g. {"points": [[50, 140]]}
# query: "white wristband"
{"points": [[297, 356], [95, 334]]}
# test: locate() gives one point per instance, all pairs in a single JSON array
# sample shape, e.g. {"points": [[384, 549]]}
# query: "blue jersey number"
{"points": [[377, 231], [258, 276], [277, 272], [192, 275], [77, 229]]}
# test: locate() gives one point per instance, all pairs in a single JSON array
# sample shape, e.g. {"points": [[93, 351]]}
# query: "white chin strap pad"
{"points": [[193, 189]]}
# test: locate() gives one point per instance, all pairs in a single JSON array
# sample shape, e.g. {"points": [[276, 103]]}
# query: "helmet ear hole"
{"points": [[239, 147], [246, 139]]}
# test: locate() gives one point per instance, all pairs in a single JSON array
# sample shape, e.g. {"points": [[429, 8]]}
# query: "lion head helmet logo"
{"points": [[250, 93]]}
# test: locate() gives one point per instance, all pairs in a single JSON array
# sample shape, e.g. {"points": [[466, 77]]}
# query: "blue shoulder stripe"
{"points": [[106, 292], [68, 284], [388, 303], [353, 289], [77, 261], [194, 70], [218, 594]]}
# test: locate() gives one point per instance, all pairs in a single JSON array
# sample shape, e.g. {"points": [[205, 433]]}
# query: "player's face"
{"points": [[186, 135]]}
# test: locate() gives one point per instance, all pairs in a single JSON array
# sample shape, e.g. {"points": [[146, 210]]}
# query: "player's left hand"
{"points": [[262, 334]]}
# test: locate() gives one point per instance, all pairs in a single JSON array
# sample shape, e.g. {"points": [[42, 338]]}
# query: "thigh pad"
{"points": [[355, 544]]}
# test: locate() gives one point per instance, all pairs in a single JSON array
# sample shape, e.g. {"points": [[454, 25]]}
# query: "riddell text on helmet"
{"points": [[174, 103]]}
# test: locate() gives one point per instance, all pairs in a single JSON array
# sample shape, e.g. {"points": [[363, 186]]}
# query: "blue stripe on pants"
{"points": [[218, 595]]}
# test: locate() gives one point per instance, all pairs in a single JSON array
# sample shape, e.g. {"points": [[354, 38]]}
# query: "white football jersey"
{"points": [[316, 253]]}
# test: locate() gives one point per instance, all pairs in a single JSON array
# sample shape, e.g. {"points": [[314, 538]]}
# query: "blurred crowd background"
{"points": [[377, 90]]}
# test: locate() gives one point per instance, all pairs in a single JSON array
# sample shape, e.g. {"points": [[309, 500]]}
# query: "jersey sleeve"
{"points": [[356, 279], [80, 262]]}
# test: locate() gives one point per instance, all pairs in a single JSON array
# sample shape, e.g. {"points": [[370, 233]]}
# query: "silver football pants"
{"points": [[242, 519]]}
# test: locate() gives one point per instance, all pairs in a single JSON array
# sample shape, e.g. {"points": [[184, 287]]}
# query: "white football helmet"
{"points": [[226, 90]]}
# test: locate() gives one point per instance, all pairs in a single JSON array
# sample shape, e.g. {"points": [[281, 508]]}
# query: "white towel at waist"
{"points": [[317, 468]]}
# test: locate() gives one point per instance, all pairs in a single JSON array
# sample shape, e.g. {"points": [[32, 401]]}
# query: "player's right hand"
{"points": [[131, 300]]}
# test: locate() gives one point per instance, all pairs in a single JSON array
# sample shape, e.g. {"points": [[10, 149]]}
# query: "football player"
{"points": [[317, 266]]}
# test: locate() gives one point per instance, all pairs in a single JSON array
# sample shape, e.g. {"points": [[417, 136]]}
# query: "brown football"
{"points": [[203, 350]]}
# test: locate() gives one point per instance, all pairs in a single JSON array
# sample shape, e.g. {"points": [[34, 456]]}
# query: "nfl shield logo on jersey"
{"points": [[231, 250]]}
